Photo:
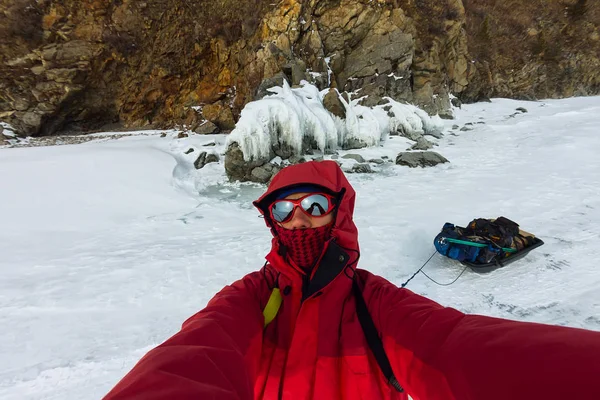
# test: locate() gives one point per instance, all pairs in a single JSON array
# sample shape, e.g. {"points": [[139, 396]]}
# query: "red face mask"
{"points": [[304, 246]]}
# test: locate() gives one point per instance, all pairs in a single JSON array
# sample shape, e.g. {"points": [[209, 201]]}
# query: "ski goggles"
{"points": [[313, 205]]}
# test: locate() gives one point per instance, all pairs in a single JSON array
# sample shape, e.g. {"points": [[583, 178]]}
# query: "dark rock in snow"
{"points": [[206, 128], [356, 157], [412, 135], [435, 134], [200, 161], [422, 144], [420, 159], [211, 158], [362, 169], [205, 158], [296, 160], [262, 174], [522, 109], [354, 143]]}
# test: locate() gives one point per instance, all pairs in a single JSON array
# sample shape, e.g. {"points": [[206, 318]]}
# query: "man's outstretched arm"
{"points": [[215, 355]]}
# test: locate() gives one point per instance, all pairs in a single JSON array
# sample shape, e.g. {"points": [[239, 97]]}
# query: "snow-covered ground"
{"points": [[107, 246]]}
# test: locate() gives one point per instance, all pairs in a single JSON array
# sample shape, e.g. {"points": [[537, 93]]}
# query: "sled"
{"points": [[486, 245], [489, 267]]}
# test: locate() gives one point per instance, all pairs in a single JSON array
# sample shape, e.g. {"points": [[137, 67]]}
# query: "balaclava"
{"points": [[303, 246]]}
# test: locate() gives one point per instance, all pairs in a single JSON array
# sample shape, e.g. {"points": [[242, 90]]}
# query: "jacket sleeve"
{"points": [[214, 356], [441, 353]]}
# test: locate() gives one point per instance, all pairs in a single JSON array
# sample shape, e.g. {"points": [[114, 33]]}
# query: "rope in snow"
{"points": [[419, 270], [428, 277], [445, 284]]}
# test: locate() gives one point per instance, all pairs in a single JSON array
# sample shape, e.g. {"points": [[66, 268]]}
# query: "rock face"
{"points": [[78, 65], [533, 49]]}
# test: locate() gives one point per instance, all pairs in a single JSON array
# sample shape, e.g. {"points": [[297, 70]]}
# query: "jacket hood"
{"points": [[328, 175]]}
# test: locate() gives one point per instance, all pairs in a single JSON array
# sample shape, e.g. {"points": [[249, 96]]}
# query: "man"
{"points": [[317, 344]]}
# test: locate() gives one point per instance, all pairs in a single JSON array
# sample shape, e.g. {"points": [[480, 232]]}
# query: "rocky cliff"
{"points": [[85, 64], [533, 49]]}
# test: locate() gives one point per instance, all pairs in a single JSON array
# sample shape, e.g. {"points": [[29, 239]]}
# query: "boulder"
{"points": [[435, 134], [354, 143], [262, 174], [206, 128], [211, 158], [200, 161], [361, 169], [205, 158], [238, 169], [420, 159], [422, 144], [356, 157], [333, 104]]}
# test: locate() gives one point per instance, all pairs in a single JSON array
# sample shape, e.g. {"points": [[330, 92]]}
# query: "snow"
{"points": [[8, 132], [108, 246], [291, 114], [329, 70], [288, 115]]}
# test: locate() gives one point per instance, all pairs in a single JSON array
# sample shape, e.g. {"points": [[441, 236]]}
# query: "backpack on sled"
{"points": [[485, 244]]}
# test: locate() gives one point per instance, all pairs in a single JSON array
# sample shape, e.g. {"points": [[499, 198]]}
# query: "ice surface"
{"points": [[107, 247]]}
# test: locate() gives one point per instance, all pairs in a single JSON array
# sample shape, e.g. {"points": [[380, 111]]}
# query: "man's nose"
{"points": [[299, 220]]}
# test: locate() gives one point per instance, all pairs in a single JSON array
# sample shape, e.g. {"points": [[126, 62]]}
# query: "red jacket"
{"points": [[315, 347]]}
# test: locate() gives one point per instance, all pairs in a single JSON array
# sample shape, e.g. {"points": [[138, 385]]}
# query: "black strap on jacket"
{"points": [[373, 339]]}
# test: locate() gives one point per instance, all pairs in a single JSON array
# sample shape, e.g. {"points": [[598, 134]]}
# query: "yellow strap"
{"points": [[272, 307]]}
